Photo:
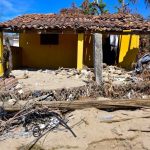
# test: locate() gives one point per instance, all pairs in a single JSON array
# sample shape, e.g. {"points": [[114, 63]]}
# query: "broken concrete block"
{"points": [[21, 91], [118, 83], [84, 72], [12, 101], [18, 86], [119, 72]]}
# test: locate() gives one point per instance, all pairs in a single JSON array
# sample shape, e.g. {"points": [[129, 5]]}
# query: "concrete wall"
{"points": [[48, 56], [65, 53], [53, 56]]}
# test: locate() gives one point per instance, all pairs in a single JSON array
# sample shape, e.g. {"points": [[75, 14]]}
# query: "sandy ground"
{"points": [[96, 130], [43, 80]]}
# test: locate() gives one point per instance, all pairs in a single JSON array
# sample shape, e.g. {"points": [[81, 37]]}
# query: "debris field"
{"points": [[95, 129], [71, 84], [36, 122]]}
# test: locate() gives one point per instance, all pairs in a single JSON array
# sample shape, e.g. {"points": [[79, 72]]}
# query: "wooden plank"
{"points": [[79, 104], [98, 57]]}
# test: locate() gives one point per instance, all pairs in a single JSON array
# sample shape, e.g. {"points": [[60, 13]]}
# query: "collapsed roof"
{"points": [[78, 22]]}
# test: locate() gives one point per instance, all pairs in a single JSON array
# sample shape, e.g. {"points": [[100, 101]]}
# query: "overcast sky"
{"points": [[13, 8]]}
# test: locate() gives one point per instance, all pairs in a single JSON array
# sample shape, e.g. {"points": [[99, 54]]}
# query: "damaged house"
{"points": [[72, 40]]}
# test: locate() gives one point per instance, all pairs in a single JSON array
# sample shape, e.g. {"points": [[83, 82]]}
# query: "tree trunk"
{"points": [[80, 104]]}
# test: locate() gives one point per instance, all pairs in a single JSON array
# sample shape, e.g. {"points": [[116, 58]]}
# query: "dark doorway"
{"points": [[110, 51]]}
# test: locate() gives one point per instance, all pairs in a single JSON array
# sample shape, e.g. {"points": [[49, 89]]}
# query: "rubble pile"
{"points": [[85, 74], [145, 75], [8, 83], [117, 83], [144, 45], [125, 84], [21, 92], [89, 90]]}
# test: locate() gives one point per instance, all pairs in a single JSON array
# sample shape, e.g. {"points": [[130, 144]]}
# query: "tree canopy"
{"points": [[94, 8]]}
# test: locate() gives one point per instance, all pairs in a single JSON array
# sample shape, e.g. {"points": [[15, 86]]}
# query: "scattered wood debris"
{"points": [[30, 121], [118, 83], [7, 83]]}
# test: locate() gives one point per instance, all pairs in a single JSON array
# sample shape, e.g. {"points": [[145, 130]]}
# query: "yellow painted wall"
{"points": [[49, 56], [129, 47], [65, 54], [1, 51], [54, 56], [80, 51]]}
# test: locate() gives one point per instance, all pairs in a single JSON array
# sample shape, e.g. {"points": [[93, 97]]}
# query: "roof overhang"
{"points": [[76, 23]]}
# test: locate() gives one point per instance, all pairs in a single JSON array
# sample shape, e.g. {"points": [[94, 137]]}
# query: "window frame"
{"points": [[49, 39]]}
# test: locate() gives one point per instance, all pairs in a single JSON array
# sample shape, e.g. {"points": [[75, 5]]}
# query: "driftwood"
{"points": [[79, 104], [139, 130], [124, 119]]}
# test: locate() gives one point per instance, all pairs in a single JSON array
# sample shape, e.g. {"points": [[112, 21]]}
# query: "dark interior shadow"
{"points": [[110, 56]]}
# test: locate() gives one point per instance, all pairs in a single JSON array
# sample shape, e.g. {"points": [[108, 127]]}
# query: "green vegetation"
{"points": [[97, 7], [94, 8]]}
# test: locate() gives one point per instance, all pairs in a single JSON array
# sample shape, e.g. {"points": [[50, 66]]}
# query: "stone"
{"points": [[25, 76], [104, 65], [105, 79], [145, 97], [77, 76], [71, 97], [119, 72], [39, 70], [105, 74], [12, 101], [53, 73], [21, 91], [18, 86], [84, 72], [102, 98], [118, 83], [46, 71]]}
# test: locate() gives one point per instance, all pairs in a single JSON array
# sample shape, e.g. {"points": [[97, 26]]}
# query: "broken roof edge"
{"points": [[121, 32], [77, 23]]}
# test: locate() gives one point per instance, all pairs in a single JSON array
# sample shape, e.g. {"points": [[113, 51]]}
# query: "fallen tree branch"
{"points": [[139, 130], [79, 104], [124, 119]]}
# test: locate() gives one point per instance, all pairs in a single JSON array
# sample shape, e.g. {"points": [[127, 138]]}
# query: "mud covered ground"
{"points": [[95, 130]]}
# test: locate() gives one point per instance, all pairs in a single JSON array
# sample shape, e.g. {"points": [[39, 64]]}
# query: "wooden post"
{"points": [[98, 57], [80, 51], [1, 52]]}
